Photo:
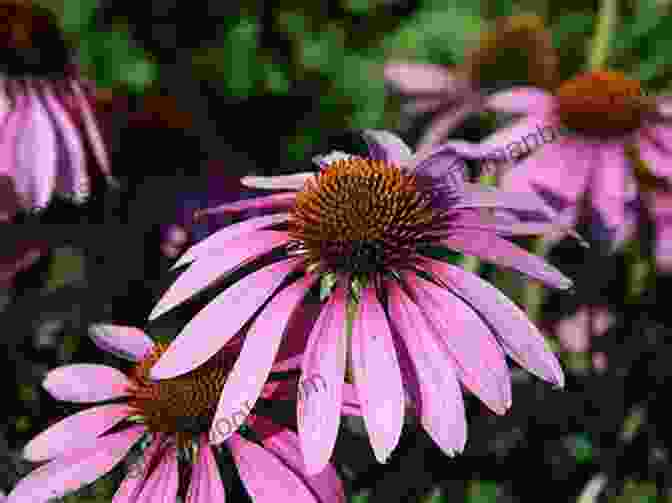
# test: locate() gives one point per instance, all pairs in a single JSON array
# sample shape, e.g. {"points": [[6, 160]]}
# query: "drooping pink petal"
{"points": [[293, 344], [377, 376], [443, 124], [36, 156], [325, 160], [613, 185], [561, 168], [496, 250], [129, 343], [219, 263], [224, 316], [522, 100], [91, 129], [72, 179], [219, 240], [86, 382], [442, 408], [279, 182], [206, 483], [508, 224], [387, 147], [246, 380], [351, 402], [161, 486], [77, 469], [75, 432], [518, 336], [481, 196], [137, 475], [511, 139], [421, 78], [266, 478], [318, 411], [276, 201], [326, 484], [477, 359], [13, 124]]}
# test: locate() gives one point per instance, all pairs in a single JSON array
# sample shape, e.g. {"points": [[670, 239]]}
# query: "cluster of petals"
{"points": [[428, 339], [575, 172], [80, 448]]}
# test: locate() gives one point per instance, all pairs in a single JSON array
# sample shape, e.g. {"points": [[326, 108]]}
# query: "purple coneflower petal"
{"points": [[319, 411], [351, 403], [92, 131], [14, 123], [421, 78], [214, 243], [85, 382], [518, 336], [508, 224], [72, 178], [512, 138], [443, 124], [75, 432], [77, 469], [275, 201], [206, 483], [36, 156], [161, 485], [442, 407], [481, 196], [387, 147], [129, 343], [521, 100], [478, 361], [266, 478], [377, 376], [295, 181], [224, 316], [492, 248], [326, 484], [218, 264], [249, 373], [325, 160], [290, 353], [613, 185], [133, 483]]}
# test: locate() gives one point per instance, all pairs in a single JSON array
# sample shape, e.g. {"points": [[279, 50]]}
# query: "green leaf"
{"points": [[482, 491], [571, 25], [76, 14]]}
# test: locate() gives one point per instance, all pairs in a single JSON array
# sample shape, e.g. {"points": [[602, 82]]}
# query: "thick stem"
{"points": [[607, 19]]}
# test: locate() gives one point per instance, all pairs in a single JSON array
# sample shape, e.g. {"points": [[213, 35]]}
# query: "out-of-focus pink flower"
{"points": [[169, 420], [574, 331], [588, 165], [660, 204], [517, 45], [49, 138], [366, 232]]}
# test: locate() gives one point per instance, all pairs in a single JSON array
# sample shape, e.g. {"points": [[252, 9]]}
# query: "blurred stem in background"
{"points": [[607, 19]]}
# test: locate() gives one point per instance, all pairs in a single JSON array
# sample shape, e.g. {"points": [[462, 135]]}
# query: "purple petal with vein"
{"points": [[377, 376], [85, 382], [75, 432], [521, 100], [492, 248], [224, 316], [266, 478], [219, 263], [206, 483], [276, 201], [79, 468], [129, 343], [249, 373], [280, 182], [387, 147], [325, 160], [161, 486], [319, 412], [518, 336]]}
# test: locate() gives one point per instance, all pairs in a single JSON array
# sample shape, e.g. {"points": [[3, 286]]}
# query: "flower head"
{"points": [[453, 94], [50, 141], [601, 127], [363, 231], [169, 420]]}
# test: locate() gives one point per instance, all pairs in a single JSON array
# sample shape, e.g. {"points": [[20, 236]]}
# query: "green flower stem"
{"points": [[607, 19]]}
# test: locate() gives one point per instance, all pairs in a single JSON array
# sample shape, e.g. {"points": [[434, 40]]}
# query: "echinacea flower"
{"points": [[453, 94], [169, 419], [364, 230], [49, 138], [600, 126]]}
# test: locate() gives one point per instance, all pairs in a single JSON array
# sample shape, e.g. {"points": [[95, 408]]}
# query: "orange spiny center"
{"points": [[183, 404], [601, 104], [360, 216]]}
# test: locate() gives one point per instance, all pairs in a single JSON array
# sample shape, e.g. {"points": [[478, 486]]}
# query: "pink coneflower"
{"points": [[169, 419], [599, 122], [49, 138], [363, 231], [517, 46]]}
